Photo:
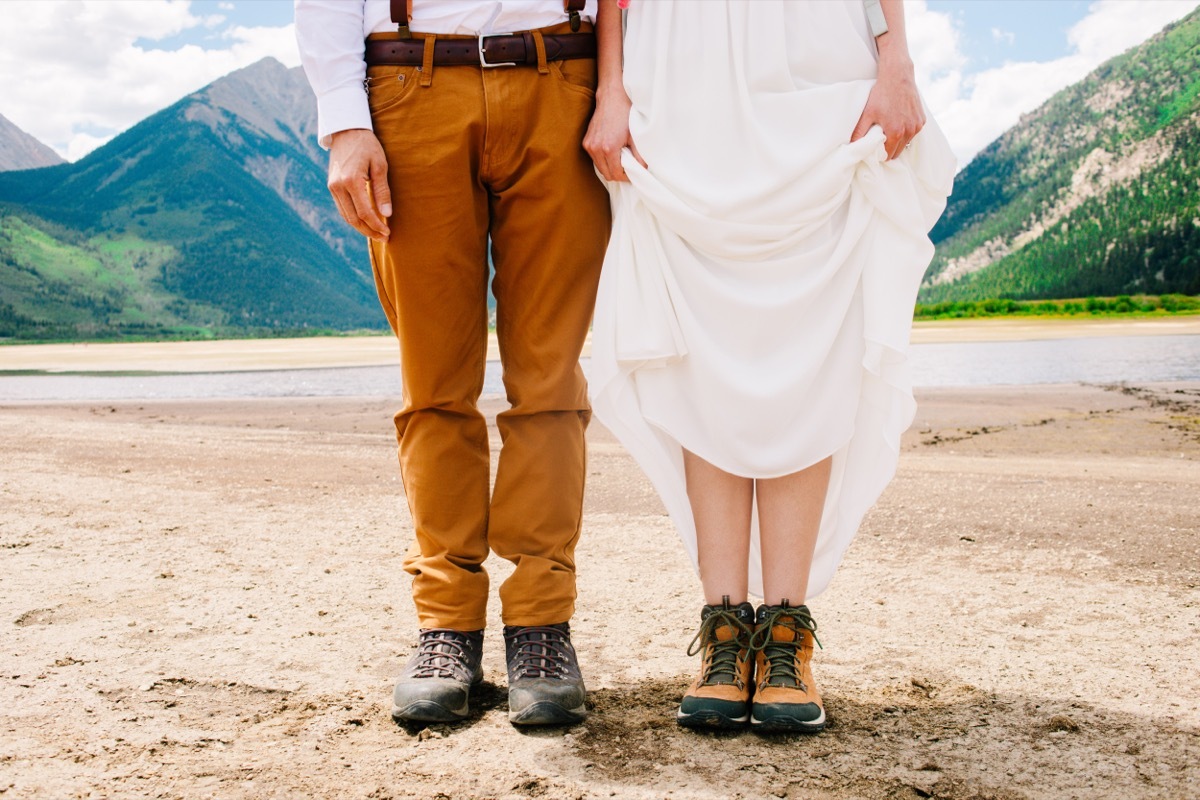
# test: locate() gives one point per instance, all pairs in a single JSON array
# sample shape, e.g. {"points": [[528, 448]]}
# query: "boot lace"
{"points": [[781, 655], [442, 653], [540, 652], [721, 666]]}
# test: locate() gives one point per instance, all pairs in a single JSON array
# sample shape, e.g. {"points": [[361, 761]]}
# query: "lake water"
{"points": [[1113, 359]]}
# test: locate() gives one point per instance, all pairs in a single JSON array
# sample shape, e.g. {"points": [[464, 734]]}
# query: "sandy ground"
{"points": [[205, 599], [368, 351]]}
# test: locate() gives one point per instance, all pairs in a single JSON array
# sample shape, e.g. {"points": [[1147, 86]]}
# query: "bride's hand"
{"points": [[608, 134], [894, 105]]}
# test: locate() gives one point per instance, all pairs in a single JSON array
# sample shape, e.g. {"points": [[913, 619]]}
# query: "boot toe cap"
{"points": [[546, 701], [431, 700], [788, 717]]}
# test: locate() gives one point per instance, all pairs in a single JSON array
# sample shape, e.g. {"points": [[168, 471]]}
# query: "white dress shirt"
{"points": [[331, 35]]}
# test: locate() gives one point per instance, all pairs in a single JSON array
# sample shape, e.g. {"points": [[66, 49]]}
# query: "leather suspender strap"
{"points": [[400, 10]]}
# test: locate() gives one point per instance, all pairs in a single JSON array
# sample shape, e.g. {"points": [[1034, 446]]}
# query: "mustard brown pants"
{"points": [[473, 153]]}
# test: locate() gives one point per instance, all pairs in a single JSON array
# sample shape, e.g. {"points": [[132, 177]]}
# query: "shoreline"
{"points": [[321, 352]]}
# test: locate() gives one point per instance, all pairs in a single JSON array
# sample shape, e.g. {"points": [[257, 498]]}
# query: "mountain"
{"points": [[1095, 193], [209, 216], [19, 150]]}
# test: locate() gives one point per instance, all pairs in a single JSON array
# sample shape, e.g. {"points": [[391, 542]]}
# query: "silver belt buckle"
{"points": [[483, 62]]}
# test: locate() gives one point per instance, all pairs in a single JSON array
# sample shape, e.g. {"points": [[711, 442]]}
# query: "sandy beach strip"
{"points": [[233, 355], [1015, 329]]}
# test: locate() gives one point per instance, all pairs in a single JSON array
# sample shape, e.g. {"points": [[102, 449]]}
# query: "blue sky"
{"points": [[996, 31], [981, 63], [1038, 27]]}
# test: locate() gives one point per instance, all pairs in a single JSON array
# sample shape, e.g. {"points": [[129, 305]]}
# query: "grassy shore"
{"points": [[1122, 307]]}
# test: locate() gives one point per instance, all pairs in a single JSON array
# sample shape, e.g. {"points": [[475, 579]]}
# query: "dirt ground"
{"points": [[205, 599]]}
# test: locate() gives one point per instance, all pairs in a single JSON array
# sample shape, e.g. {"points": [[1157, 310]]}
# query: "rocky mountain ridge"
{"points": [[1095, 192], [20, 150]]}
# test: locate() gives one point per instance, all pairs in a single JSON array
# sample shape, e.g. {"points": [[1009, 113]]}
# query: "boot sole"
{"points": [[784, 724], [426, 711], [547, 714], [709, 720]]}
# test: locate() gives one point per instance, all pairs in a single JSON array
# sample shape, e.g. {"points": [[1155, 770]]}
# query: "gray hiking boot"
{"points": [[437, 680], [544, 683]]}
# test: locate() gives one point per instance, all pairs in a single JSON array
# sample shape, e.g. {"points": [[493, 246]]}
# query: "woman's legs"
{"points": [[719, 697], [721, 505], [789, 516], [772, 648]]}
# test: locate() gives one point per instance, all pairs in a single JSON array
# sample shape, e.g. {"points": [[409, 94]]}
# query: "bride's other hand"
{"points": [[608, 134], [894, 103]]}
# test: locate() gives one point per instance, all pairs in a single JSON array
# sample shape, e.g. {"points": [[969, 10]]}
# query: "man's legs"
{"points": [[550, 223], [549, 228], [432, 282]]}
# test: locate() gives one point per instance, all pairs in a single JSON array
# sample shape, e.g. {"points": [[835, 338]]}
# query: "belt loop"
{"points": [[427, 61], [540, 45]]}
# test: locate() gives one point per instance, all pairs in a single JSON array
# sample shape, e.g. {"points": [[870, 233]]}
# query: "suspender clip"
{"points": [[573, 7]]}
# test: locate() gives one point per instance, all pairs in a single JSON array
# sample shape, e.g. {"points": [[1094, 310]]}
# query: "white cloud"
{"points": [[975, 109], [1007, 37], [1114, 26], [83, 143], [74, 69], [933, 40], [255, 43]]}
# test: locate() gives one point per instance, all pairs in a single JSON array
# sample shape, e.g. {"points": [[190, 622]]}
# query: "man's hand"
{"points": [[358, 182], [893, 105], [608, 134]]}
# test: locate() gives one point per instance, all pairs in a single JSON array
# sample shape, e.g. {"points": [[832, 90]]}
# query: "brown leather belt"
{"points": [[508, 49]]}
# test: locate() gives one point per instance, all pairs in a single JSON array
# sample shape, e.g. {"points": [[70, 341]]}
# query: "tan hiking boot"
{"points": [[785, 695], [720, 695]]}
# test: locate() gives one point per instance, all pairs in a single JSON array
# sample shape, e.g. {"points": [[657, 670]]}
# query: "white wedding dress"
{"points": [[756, 299]]}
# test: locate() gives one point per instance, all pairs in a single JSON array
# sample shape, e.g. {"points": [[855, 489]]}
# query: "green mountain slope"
{"points": [[1095, 193], [53, 289], [210, 214]]}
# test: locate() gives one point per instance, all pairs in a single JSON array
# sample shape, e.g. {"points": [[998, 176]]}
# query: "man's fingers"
{"points": [[364, 207], [345, 207], [357, 209], [358, 181], [383, 192]]}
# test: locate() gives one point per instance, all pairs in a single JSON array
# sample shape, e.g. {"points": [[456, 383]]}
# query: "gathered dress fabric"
{"points": [[756, 298]]}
